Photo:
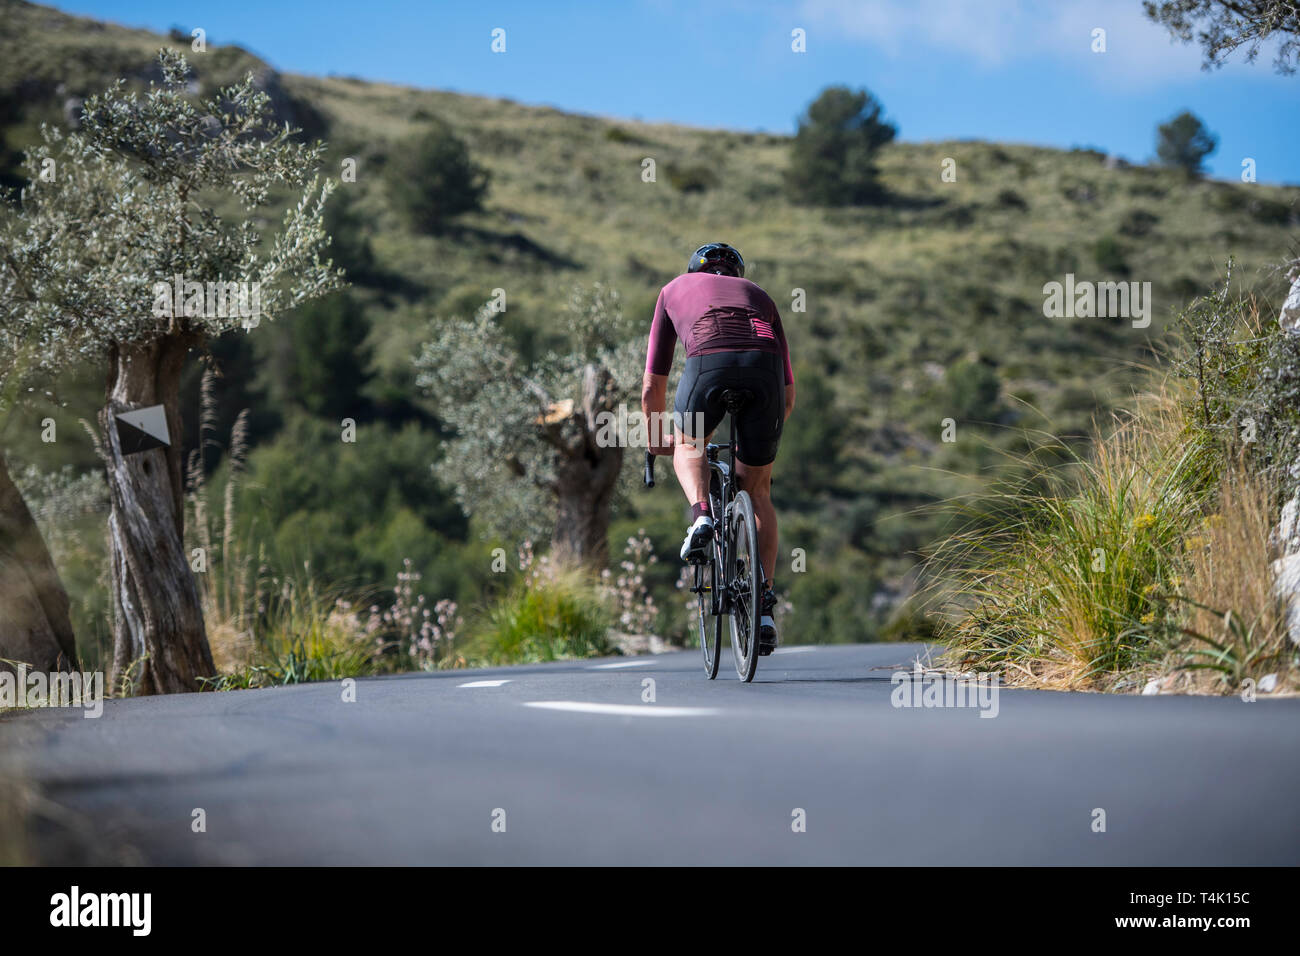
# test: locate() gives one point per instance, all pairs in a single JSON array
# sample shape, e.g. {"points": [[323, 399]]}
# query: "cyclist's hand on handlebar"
{"points": [[664, 449]]}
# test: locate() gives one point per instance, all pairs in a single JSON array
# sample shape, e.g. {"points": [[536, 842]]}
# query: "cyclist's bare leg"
{"points": [[757, 480], [692, 466]]}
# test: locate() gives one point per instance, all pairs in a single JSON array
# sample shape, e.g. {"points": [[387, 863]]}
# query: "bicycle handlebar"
{"points": [[649, 469]]}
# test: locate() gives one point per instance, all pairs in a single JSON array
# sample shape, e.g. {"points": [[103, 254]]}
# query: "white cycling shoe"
{"points": [[697, 540]]}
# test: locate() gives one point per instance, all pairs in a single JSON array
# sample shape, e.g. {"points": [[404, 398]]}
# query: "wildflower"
{"points": [[1149, 618], [1144, 521]]}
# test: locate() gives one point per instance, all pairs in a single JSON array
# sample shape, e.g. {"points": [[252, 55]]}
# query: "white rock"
{"points": [[1290, 317], [1152, 687], [1268, 683]]}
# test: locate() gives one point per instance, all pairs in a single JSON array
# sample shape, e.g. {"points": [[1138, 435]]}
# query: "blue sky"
{"points": [[1008, 70]]}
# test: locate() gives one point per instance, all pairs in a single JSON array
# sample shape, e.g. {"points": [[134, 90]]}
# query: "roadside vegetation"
{"points": [[1143, 562], [911, 299]]}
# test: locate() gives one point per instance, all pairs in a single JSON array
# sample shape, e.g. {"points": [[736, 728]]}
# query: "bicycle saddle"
{"points": [[734, 398]]}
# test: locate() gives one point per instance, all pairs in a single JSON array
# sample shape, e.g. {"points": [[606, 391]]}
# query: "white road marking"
{"points": [[793, 650], [484, 683], [623, 710], [610, 667]]}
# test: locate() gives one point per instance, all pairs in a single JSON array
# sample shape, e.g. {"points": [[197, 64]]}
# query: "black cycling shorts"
{"points": [[758, 425]]}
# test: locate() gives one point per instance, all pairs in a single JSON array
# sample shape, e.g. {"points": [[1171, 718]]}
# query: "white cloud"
{"points": [[994, 33]]}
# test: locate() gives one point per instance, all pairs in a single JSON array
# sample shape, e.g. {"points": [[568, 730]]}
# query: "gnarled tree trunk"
{"points": [[159, 642], [585, 477], [35, 628]]}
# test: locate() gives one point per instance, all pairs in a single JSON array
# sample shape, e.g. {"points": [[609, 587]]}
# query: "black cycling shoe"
{"points": [[767, 640], [695, 549]]}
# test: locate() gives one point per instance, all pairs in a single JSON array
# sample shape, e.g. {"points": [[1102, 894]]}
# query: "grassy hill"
{"points": [[925, 307]]}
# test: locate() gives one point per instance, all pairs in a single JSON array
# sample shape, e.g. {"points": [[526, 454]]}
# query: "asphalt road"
{"points": [[566, 763]]}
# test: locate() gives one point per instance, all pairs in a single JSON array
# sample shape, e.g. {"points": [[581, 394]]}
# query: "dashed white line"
{"points": [[793, 650], [623, 710], [618, 664], [484, 683]]}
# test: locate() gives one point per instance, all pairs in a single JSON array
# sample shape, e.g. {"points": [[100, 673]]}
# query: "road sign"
{"points": [[142, 429]]}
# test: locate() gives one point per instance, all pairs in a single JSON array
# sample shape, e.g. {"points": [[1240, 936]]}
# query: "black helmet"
{"points": [[718, 258]]}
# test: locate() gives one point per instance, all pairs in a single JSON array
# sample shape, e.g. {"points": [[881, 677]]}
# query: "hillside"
{"points": [[927, 307]]}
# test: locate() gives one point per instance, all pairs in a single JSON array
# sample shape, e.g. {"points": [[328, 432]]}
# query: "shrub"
{"points": [[1184, 142], [690, 179], [1245, 372], [1109, 254], [558, 616], [616, 134], [432, 179], [1058, 576], [973, 391], [1137, 223], [1151, 554], [1010, 199], [1234, 622], [832, 157], [1269, 212]]}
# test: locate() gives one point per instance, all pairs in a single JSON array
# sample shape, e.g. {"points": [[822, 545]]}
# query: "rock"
{"points": [[72, 111], [1286, 572], [1268, 683], [634, 645], [1290, 317], [1285, 539], [1152, 688], [1286, 567]]}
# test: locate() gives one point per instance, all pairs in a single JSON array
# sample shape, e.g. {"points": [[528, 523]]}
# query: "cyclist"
{"points": [[732, 334]]}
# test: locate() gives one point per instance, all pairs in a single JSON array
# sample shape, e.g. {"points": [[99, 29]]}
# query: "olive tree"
{"points": [[1222, 26], [119, 250], [533, 452]]}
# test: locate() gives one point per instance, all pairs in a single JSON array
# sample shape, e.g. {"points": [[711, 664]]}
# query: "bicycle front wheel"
{"points": [[744, 581]]}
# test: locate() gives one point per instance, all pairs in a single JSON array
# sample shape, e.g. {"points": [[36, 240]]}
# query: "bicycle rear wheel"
{"points": [[744, 579], [710, 625]]}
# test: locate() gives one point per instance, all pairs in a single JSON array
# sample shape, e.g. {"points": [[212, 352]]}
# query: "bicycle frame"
{"points": [[733, 587], [724, 472]]}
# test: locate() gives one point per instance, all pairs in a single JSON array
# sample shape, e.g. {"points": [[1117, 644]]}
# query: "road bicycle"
{"points": [[729, 579]]}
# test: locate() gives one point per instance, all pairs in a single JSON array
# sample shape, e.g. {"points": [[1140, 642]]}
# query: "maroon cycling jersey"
{"points": [[712, 313]]}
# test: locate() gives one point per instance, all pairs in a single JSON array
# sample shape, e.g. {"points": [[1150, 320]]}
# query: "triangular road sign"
{"points": [[142, 429]]}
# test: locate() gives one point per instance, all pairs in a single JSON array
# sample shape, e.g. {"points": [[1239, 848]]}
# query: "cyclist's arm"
{"points": [[779, 331], [654, 396], [654, 384]]}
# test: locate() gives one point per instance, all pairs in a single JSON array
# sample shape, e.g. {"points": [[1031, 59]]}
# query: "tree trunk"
{"points": [[585, 490], [586, 475], [159, 642], [35, 628]]}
